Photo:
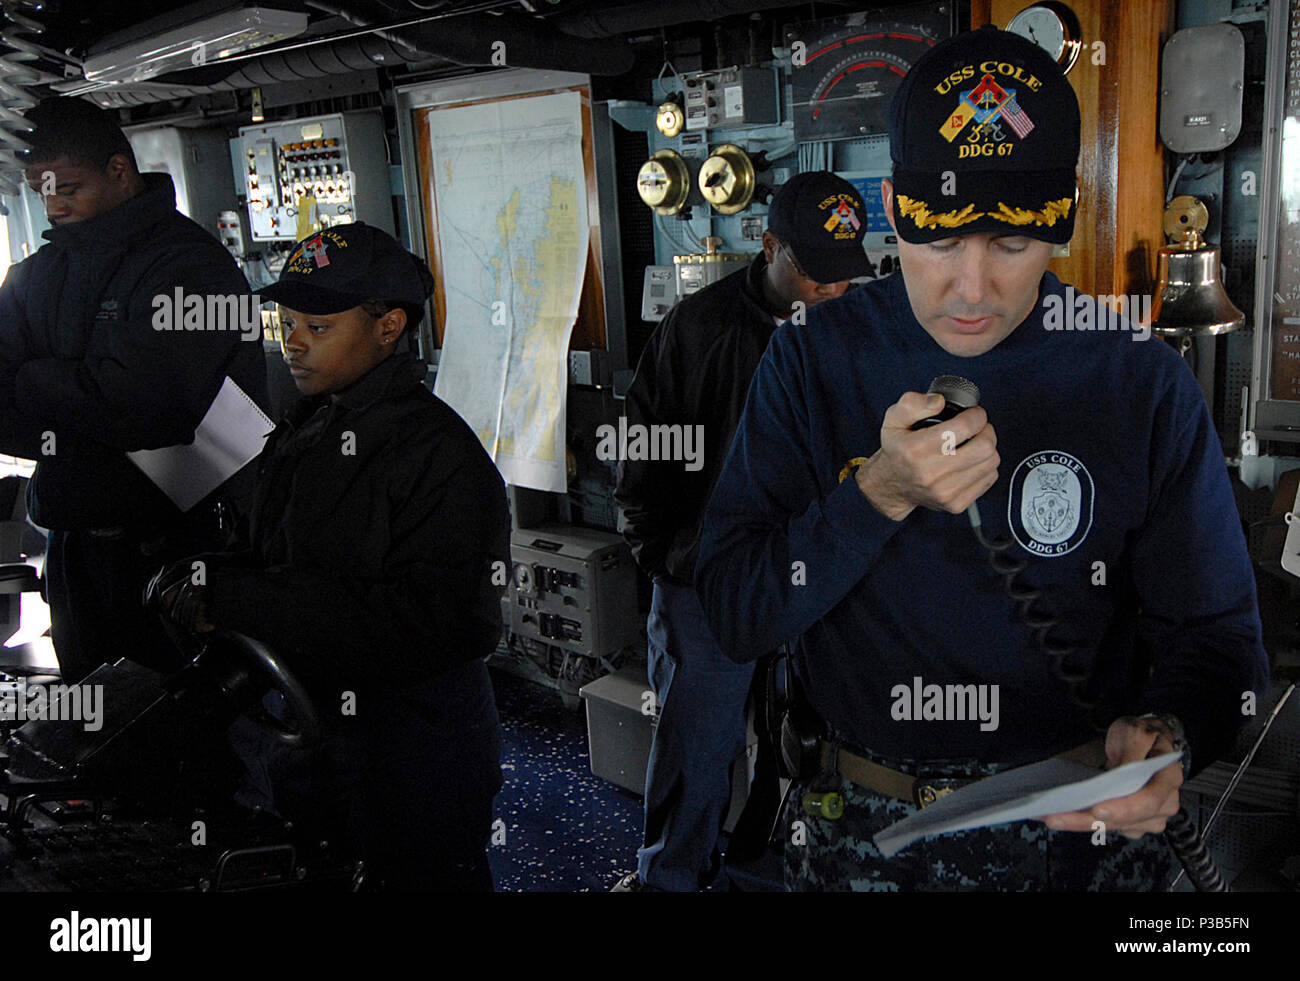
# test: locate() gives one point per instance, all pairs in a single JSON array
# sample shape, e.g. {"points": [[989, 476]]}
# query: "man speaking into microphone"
{"points": [[839, 525]]}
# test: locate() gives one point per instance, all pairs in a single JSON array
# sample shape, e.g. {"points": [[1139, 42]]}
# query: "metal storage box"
{"points": [[619, 729]]}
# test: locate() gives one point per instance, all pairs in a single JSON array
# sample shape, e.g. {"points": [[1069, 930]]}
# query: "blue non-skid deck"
{"points": [[565, 829]]}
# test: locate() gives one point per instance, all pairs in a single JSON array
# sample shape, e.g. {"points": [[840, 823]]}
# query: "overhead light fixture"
{"points": [[190, 37], [259, 114]]}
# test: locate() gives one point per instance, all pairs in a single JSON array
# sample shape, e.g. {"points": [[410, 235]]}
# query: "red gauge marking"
{"points": [[866, 37], [822, 51], [866, 64]]}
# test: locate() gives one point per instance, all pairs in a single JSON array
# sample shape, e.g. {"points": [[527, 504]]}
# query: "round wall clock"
{"points": [[1052, 26]]}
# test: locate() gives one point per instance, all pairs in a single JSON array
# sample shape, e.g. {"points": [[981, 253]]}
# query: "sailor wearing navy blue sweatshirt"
{"points": [[1093, 462]]}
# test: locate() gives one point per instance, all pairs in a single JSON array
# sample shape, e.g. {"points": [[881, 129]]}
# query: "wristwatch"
{"points": [[1173, 728]]}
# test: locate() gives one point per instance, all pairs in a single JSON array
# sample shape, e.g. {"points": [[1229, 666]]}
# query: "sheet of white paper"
{"points": [[232, 433], [1053, 786]]}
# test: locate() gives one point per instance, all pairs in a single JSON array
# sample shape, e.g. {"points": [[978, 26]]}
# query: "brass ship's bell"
{"points": [[1191, 299]]}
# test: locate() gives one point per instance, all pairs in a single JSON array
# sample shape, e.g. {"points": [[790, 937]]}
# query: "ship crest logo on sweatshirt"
{"points": [[1049, 508]]}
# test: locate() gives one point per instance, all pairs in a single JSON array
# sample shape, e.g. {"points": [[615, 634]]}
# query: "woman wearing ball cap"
{"points": [[377, 523]]}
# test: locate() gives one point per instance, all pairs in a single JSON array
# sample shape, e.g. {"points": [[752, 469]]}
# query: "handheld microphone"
{"points": [[959, 394]]}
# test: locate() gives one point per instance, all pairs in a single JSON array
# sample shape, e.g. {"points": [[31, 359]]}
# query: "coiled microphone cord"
{"points": [[960, 394], [1193, 853], [1180, 833], [1058, 652]]}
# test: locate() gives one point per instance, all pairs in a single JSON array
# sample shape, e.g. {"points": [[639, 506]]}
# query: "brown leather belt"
{"points": [[923, 791]]}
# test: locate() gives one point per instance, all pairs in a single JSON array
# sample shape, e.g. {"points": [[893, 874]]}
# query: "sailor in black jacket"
{"points": [[85, 376], [380, 548], [695, 371]]}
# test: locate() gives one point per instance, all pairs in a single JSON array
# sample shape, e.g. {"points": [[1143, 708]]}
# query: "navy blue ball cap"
{"points": [[984, 135], [821, 218], [343, 266]]}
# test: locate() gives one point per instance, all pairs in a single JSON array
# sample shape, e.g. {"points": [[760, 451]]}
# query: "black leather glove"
{"points": [[173, 593]]}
